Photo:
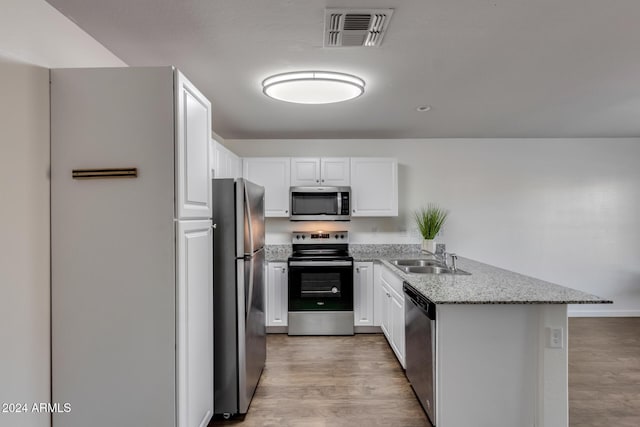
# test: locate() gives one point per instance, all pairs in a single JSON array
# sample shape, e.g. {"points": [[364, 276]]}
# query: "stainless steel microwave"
{"points": [[320, 203]]}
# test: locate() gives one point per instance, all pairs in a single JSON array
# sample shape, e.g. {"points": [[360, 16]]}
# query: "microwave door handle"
{"points": [[339, 196]]}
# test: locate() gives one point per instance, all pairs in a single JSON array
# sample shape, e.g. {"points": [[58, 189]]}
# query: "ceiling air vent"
{"points": [[355, 27]]}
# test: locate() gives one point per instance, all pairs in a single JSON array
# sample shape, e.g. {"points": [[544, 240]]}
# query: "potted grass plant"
{"points": [[430, 220]]}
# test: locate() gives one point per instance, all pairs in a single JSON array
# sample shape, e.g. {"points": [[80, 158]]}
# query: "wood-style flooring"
{"points": [[357, 381], [332, 381], [604, 372]]}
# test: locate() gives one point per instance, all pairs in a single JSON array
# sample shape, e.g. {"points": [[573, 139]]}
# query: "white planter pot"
{"points": [[429, 245]]}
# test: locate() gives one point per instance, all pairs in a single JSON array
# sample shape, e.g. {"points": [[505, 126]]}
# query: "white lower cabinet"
{"points": [[363, 301], [391, 306], [277, 294], [397, 324]]}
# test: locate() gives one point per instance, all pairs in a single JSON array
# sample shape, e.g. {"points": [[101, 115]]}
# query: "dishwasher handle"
{"points": [[422, 302]]}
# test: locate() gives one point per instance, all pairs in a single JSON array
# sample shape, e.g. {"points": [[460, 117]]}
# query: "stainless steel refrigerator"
{"points": [[238, 293]]}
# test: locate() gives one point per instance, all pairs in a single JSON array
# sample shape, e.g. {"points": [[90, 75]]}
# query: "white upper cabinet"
{"points": [[335, 171], [273, 173], [313, 171], [305, 171], [225, 163], [374, 186], [193, 129]]}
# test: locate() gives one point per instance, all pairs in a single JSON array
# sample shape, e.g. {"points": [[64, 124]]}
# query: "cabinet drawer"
{"points": [[392, 279]]}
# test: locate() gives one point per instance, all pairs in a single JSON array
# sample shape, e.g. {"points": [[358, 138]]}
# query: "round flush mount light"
{"points": [[423, 108], [313, 87]]}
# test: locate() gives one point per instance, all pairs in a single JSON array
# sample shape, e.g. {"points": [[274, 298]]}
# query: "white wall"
{"points": [[562, 210], [34, 32], [31, 32]]}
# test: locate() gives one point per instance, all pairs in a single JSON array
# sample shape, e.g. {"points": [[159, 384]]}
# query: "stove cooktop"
{"points": [[320, 245]]}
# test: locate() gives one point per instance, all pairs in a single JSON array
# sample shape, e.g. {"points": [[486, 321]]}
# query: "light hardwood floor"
{"points": [[332, 381], [357, 381], [604, 372]]}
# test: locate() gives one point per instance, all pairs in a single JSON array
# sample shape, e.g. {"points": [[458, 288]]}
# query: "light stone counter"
{"points": [[277, 253], [486, 284]]}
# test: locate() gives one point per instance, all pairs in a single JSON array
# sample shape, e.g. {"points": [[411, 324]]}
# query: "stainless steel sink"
{"points": [[416, 262], [425, 266]]}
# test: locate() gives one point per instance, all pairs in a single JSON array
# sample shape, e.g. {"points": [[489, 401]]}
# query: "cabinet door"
{"points": [[277, 288], [220, 168], [213, 158], [194, 323], [385, 315], [193, 130], [305, 171], [335, 171], [363, 294], [374, 186], [273, 173], [397, 325], [236, 165]]}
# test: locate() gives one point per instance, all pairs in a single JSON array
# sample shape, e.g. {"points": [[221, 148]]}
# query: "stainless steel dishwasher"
{"points": [[420, 323]]}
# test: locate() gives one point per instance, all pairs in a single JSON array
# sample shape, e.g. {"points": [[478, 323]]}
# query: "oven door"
{"points": [[321, 285]]}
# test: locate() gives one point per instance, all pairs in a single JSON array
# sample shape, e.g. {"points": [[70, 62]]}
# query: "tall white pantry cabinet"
{"points": [[131, 245]]}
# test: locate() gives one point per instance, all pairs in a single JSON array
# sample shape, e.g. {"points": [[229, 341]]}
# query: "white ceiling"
{"points": [[489, 68]]}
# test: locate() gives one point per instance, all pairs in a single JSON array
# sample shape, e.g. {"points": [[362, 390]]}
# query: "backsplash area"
{"points": [[361, 230], [281, 252]]}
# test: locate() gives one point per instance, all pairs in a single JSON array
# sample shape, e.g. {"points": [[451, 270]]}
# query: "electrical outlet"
{"points": [[554, 337]]}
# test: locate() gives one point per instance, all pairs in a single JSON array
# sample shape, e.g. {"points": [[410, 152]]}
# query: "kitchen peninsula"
{"points": [[500, 337]]}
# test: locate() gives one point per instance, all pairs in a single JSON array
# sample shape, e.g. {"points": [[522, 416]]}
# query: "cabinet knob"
{"points": [[284, 270], [322, 180], [354, 211], [317, 181], [357, 269], [286, 211]]}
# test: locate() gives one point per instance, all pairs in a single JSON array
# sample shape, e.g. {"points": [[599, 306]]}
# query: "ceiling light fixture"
{"points": [[423, 108], [313, 87]]}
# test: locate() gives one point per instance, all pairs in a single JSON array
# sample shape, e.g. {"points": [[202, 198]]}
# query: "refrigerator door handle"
{"points": [[250, 260], [248, 218]]}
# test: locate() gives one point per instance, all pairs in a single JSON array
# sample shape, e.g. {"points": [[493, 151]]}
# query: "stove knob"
{"points": [[298, 237], [336, 236], [334, 290], [302, 237], [342, 236]]}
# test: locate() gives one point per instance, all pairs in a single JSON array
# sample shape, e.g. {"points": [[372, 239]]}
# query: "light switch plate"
{"points": [[555, 337]]}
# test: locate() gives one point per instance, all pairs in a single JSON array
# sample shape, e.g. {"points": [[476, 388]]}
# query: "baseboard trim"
{"points": [[277, 329], [357, 329], [603, 313], [367, 330]]}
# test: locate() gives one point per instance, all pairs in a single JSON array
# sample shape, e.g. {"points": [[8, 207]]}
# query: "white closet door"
{"points": [[193, 130], [195, 323]]}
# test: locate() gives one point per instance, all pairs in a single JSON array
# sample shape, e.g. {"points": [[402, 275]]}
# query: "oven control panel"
{"points": [[315, 237]]}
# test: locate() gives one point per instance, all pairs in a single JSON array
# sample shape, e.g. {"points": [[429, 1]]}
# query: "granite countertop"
{"points": [[277, 253], [486, 284]]}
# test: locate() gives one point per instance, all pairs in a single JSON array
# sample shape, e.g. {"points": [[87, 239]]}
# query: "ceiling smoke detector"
{"points": [[355, 27]]}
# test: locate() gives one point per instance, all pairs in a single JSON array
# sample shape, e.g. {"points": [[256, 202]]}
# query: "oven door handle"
{"points": [[320, 263]]}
